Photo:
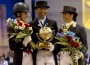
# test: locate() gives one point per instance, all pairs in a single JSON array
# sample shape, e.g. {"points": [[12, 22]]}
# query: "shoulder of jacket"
{"points": [[32, 22], [50, 20]]}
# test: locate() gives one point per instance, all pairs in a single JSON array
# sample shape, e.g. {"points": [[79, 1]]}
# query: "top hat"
{"points": [[69, 9], [41, 4]]}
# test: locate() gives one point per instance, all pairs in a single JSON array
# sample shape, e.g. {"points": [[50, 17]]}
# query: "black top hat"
{"points": [[41, 4], [69, 9]]}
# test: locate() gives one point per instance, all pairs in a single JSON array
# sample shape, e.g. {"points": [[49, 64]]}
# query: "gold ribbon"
{"points": [[66, 29]]}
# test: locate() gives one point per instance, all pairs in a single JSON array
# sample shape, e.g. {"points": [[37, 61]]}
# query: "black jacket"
{"points": [[18, 49], [35, 25], [81, 33]]}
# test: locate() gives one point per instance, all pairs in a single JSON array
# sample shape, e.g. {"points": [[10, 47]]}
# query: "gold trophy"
{"points": [[45, 35]]}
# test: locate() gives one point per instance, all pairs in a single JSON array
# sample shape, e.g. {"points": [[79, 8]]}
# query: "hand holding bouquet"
{"points": [[18, 30], [72, 43]]}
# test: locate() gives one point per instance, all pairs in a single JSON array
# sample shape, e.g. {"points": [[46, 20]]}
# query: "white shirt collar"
{"points": [[67, 24], [43, 19]]}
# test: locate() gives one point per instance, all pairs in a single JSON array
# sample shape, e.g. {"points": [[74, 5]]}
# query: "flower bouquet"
{"points": [[19, 30], [72, 43]]}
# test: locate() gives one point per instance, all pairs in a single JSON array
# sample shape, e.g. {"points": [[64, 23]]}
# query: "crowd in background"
{"points": [[6, 59]]}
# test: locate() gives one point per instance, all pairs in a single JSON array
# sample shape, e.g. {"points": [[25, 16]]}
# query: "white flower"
{"points": [[16, 27], [29, 28], [22, 27], [12, 19], [9, 20], [15, 22]]}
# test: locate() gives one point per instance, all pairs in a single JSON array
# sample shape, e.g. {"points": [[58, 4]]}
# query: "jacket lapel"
{"points": [[73, 27], [36, 24]]}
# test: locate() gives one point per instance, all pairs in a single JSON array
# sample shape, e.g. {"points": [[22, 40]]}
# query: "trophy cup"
{"points": [[45, 35]]}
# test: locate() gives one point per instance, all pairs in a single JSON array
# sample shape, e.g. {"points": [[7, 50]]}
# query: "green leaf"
{"points": [[61, 39], [63, 43], [12, 34], [21, 35], [17, 40]]}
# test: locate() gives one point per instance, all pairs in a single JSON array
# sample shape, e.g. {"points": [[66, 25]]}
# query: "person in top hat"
{"points": [[69, 16], [41, 4], [43, 56], [22, 50]]}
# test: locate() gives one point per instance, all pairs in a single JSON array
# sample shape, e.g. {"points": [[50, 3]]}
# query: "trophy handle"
{"points": [[53, 35], [38, 37]]}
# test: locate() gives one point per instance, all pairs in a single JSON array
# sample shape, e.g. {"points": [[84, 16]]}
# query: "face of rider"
{"points": [[41, 12], [67, 17], [22, 16]]}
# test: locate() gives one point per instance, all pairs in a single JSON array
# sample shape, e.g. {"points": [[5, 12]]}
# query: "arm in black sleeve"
{"points": [[15, 46], [83, 38]]}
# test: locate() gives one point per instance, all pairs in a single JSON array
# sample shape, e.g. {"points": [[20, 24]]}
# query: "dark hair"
{"points": [[15, 14], [74, 15]]}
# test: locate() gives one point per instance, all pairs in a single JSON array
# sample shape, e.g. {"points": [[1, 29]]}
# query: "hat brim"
{"points": [[71, 12], [42, 6]]}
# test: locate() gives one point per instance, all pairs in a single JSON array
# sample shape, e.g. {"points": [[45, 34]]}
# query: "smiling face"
{"points": [[24, 15], [41, 12], [67, 17]]}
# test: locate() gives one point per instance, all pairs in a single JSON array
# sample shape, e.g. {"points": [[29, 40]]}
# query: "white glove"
{"points": [[51, 47], [26, 40], [78, 56], [81, 55]]}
